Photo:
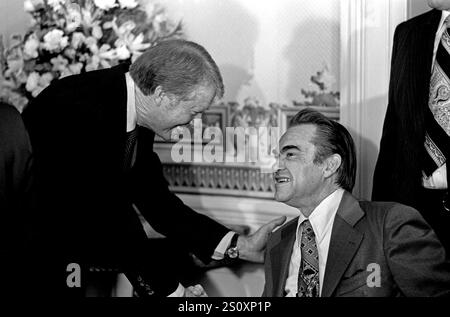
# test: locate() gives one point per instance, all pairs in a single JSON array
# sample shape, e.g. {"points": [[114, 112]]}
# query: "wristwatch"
{"points": [[232, 251]]}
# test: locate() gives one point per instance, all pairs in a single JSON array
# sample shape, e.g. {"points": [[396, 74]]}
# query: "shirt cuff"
{"points": [[222, 247], [179, 292]]}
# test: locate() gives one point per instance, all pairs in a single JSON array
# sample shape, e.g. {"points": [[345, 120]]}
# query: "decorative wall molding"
{"points": [[367, 29], [219, 179]]}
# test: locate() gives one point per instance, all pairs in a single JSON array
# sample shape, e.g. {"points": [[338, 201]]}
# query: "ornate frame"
{"points": [[217, 110]]}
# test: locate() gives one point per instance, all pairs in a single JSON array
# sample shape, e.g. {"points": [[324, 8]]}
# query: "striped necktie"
{"points": [[308, 275]]}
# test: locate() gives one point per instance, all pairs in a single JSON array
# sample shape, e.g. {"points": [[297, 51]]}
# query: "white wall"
{"points": [[265, 48], [416, 7], [367, 31], [13, 19]]}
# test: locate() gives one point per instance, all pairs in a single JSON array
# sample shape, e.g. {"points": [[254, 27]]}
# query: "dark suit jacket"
{"points": [[398, 172], [16, 178], [84, 211], [395, 237], [15, 161]]}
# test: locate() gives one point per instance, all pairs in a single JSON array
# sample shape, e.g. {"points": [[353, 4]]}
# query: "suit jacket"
{"points": [[392, 237], [398, 172], [84, 209], [15, 162], [16, 179]]}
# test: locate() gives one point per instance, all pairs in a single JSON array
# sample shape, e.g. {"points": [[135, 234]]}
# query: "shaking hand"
{"points": [[195, 291], [252, 247]]}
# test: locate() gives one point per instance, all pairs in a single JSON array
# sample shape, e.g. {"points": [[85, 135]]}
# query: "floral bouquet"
{"points": [[69, 37], [320, 93]]}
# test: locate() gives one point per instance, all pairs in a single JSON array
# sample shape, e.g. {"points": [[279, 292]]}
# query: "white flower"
{"points": [[72, 69], [31, 5], [36, 83], [15, 65], [128, 4], [97, 32], [123, 52], [149, 7], [100, 57], [127, 43], [78, 38], [31, 46], [87, 17], [126, 27], [73, 17], [136, 44], [55, 4], [159, 22], [59, 63], [105, 4], [54, 40], [70, 53], [91, 43]]}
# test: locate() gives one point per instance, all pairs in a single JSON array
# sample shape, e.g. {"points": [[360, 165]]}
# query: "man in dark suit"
{"points": [[415, 145], [16, 165], [340, 246], [92, 137]]}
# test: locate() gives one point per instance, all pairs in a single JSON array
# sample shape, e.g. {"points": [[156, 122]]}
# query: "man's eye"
{"points": [[290, 154]]}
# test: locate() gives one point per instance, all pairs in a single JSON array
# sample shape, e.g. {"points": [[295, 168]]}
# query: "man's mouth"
{"points": [[282, 179]]}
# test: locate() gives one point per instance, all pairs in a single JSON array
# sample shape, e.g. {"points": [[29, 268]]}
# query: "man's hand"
{"points": [[252, 247], [195, 291]]}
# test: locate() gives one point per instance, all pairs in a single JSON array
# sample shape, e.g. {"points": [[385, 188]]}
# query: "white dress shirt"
{"points": [[321, 219], [131, 125], [437, 180]]}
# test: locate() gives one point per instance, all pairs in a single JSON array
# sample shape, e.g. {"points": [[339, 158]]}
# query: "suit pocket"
{"points": [[351, 284]]}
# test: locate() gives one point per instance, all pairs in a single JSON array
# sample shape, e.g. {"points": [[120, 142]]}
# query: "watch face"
{"points": [[233, 252]]}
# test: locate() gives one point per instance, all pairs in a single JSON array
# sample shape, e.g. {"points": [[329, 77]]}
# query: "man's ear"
{"points": [[331, 165], [158, 95]]}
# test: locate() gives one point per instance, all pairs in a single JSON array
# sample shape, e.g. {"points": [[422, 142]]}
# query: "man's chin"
{"points": [[165, 135], [281, 198]]}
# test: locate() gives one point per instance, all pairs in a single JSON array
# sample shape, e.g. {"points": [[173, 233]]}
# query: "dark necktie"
{"points": [[130, 145], [308, 275]]}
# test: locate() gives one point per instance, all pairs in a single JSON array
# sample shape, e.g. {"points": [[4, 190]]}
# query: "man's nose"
{"points": [[277, 165]]}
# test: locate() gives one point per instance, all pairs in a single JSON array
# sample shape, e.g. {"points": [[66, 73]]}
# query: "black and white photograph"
{"points": [[242, 151]]}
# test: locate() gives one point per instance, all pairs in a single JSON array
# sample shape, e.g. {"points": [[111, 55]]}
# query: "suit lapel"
{"points": [[345, 240], [281, 255], [426, 37]]}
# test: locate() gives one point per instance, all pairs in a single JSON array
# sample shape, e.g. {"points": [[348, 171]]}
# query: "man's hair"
{"points": [[331, 138], [178, 66]]}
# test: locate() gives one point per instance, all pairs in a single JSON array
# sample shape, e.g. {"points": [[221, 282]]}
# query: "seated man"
{"points": [[340, 246]]}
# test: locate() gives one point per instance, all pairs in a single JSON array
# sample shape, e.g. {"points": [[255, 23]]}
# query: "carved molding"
{"points": [[367, 28], [219, 179]]}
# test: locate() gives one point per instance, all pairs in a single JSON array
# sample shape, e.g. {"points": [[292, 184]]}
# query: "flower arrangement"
{"points": [[320, 93], [253, 114], [69, 37]]}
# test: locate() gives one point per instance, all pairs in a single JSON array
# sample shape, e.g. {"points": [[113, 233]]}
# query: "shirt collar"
{"points": [[131, 103], [444, 16], [323, 215]]}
